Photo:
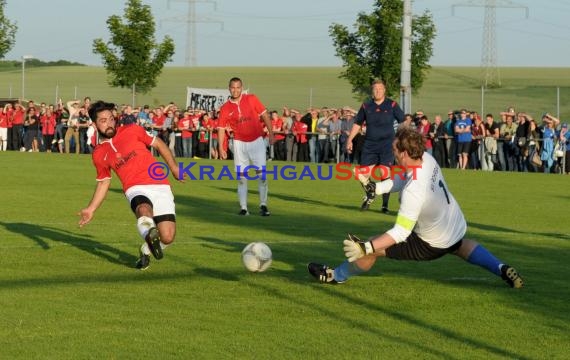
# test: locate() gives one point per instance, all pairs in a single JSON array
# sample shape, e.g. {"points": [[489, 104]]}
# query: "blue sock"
{"points": [[346, 270], [482, 257]]}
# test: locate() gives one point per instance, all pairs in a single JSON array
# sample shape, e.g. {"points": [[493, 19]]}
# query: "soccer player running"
{"points": [[242, 114], [125, 150], [429, 224], [379, 113]]}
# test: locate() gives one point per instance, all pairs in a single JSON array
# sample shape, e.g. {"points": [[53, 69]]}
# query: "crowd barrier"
{"points": [[335, 141]]}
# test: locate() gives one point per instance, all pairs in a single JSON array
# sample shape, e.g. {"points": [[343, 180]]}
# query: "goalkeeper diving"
{"points": [[429, 224]]}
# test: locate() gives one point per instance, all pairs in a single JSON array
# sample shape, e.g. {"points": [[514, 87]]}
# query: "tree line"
{"points": [[134, 59]]}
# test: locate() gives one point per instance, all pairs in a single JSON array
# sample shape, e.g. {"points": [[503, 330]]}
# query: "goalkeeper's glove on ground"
{"points": [[354, 248]]}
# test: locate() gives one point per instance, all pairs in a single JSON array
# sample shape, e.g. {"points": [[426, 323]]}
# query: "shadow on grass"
{"points": [[487, 227], [413, 321], [42, 235], [288, 198], [544, 267], [284, 219], [544, 270], [127, 277], [535, 300]]}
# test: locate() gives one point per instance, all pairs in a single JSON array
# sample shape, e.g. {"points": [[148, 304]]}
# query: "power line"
{"points": [[316, 17], [490, 70], [191, 19]]}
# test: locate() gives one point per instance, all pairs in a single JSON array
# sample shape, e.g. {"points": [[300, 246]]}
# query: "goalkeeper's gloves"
{"points": [[354, 248]]}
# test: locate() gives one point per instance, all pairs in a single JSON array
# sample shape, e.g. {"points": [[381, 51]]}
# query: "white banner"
{"points": [[206, 99]]}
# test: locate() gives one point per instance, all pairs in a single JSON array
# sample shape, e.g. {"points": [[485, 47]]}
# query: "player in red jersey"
{"points": [[243, 113], [125, 150]]}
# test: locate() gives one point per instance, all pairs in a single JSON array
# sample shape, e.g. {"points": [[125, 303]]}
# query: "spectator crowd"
{"points": [[511, 141]]}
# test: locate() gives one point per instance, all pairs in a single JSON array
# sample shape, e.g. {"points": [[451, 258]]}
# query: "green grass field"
{"points": [[70, 293], [533, 90]]}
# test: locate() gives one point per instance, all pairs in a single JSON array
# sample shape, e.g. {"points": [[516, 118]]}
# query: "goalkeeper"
{"points": [[429, 223]]}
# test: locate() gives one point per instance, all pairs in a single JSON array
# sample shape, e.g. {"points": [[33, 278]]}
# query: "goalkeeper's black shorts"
{"points": [[414, 248]]}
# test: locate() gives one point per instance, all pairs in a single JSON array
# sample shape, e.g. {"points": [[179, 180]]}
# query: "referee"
{"points": [[379, 114]]}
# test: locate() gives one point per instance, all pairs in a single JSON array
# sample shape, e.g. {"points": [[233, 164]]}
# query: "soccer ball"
{"points": [[256, 257]]}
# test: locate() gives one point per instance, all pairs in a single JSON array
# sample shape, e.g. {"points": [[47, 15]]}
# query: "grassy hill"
{"points": [[528, 89]]}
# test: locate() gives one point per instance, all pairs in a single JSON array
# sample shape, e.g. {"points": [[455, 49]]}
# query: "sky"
{"points": [[291, 32]]}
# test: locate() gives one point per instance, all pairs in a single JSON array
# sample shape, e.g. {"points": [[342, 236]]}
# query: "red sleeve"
{"points": [[256, 105], [142, 135]]}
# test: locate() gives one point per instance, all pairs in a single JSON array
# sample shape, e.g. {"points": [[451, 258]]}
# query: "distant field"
{"points": [[528, 89], [70, 293]]}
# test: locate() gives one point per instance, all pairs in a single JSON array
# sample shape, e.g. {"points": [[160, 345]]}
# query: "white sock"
{"points": [[263, 190], [163, 245], [242, 192], [144, 223], [363, 179], [144, 249]]}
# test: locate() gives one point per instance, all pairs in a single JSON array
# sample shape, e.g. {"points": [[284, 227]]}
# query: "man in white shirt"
{"points": [[72, 126], [429, 224]]}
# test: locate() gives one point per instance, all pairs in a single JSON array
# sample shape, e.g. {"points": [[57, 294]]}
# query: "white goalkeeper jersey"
{"points": [[427, 207]]}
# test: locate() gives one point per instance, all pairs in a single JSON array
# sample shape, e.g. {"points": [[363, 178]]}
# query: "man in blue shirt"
{"points": [[463, 133], [378, 115]]}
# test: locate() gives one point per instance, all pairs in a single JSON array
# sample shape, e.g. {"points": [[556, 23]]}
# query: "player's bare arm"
{"points": [[99, 195], [269, 126], [221, 139], [166, 155], [355, 130]]}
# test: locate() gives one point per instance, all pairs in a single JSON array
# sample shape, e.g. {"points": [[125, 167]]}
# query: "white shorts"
{"points": [[160, 195], [249, 153]]}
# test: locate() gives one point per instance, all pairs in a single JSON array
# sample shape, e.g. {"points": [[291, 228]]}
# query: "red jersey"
{"points": [[18, 117], [186, 124], [127, 154], [48, 124], [424, 130], [277, 125], [196, 121], [9, 115], [300, 128], [243, 117], [3, 119], [159, 120], [204, 135]]}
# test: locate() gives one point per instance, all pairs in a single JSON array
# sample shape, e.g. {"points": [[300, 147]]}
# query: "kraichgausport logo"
{"points": [[341, 171]]}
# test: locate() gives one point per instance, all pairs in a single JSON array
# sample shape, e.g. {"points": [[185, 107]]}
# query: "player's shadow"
{"points": [[218, 244], [487, 227], [319, 225], [413, 320], [293, 198], [43, 235]]}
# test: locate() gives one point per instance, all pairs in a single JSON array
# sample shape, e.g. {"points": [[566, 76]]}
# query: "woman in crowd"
{"points": [[48, 121], [32, 134], [477, 134], [548, 135]]}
